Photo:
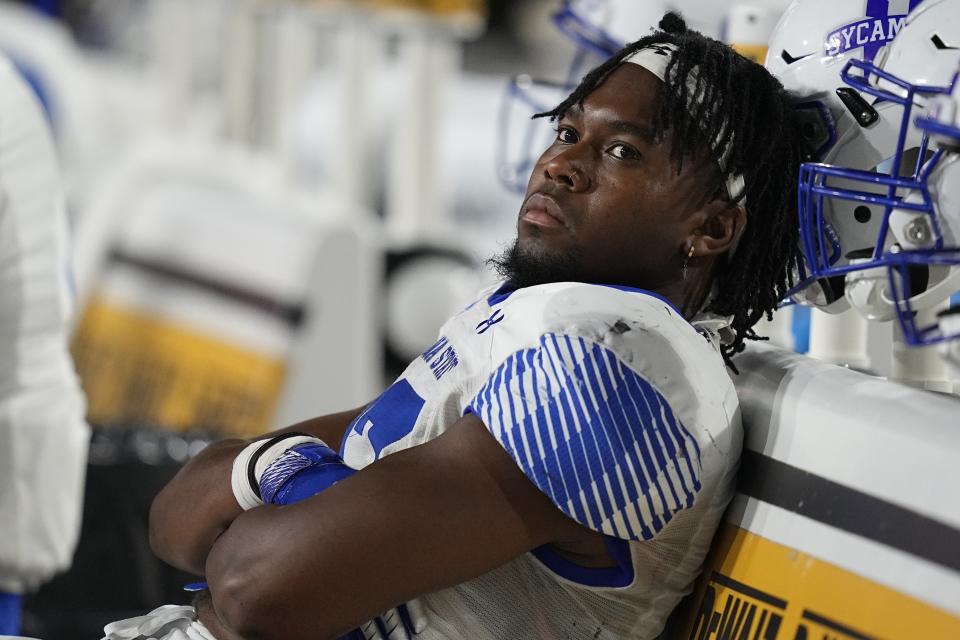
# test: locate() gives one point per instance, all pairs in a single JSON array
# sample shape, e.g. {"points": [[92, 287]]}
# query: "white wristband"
{"points": [[248, 495]]}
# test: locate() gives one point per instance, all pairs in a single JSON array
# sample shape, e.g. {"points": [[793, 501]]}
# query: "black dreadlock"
{"points": [[746, 111]]}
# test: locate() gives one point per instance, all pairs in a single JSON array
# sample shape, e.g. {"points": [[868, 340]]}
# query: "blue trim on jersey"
{"points": [[593, 435], [506, 290], [11, 611], [617, 576], [52, 8], [623, 287], [503, 292], [39, 88]]}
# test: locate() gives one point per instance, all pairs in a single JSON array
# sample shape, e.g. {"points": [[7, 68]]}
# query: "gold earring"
{"points": [[683, 269]]}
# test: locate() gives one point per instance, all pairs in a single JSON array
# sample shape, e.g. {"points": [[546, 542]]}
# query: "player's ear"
{"points": [[719, 225]]}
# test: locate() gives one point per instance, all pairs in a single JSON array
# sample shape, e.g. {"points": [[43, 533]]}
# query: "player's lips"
{"points": [[543, 211]]}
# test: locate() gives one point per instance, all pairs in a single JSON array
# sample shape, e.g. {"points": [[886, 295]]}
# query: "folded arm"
{"points": [[198, 505], [414, 522]]}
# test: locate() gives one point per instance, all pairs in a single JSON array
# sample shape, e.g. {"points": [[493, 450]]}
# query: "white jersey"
{"points": [[618, 409], [43, 436]]}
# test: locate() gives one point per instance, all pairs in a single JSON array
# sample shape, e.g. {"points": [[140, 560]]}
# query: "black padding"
{"points": [[114, 573]]}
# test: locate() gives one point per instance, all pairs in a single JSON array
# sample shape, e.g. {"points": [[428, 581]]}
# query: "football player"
{"points": [[556, 463]]}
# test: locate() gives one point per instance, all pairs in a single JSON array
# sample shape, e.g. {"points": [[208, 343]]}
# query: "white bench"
{"points": [[846, 523]]}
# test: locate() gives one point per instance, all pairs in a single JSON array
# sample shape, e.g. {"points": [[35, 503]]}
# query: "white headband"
{"points": [[655, 59]]}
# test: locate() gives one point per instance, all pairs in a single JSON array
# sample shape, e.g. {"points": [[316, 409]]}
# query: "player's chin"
{"points": [[534, 239], [535, 252], [538, 260]]}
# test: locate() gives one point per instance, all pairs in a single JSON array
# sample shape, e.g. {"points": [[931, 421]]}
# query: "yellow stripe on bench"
{"points": [[757, 589]]}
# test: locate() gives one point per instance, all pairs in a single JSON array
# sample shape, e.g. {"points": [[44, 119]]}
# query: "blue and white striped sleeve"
{"points": [[593, 435]]}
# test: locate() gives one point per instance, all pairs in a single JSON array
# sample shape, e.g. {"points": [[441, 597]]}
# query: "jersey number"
{"points": [[391, 417]]}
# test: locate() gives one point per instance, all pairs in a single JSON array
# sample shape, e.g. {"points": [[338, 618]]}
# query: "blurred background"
{"points": [[274, 205]]}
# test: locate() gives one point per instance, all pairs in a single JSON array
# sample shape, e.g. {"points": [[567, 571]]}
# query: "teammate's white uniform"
{"points": [[618, 409], [43, 436]]}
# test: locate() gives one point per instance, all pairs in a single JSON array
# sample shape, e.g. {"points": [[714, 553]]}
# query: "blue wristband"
{"points": [[301, 472]]}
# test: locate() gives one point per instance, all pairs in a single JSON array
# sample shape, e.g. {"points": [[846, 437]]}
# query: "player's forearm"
{"points": [[420, 520], [196, 506], [242, 585]]}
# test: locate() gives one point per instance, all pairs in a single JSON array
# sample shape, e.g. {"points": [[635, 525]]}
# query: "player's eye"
{"points": [[566, 134], [622, 151]]}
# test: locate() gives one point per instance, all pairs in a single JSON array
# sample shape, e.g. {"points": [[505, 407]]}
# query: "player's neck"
{"points": [[689, 293]]}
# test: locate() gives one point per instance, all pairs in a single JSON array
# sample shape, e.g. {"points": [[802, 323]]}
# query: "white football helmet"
{"points": [[815, 38], [810, 46], [889, 228], [598, 28]]}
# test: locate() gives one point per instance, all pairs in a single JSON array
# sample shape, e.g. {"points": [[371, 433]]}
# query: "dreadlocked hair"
{"points": [[714, 94]]}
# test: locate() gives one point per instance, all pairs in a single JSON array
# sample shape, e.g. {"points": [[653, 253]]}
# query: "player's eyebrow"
{"points": [[643, 131]]}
